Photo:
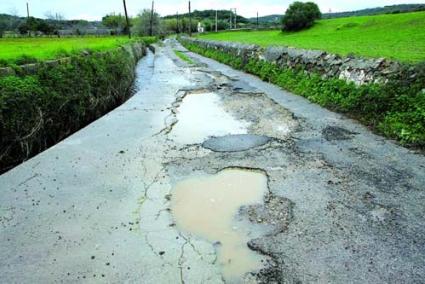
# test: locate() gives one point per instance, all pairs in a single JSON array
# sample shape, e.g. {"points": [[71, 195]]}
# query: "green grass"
{"points": [[183, 56], [400, 37], [12, 50]]}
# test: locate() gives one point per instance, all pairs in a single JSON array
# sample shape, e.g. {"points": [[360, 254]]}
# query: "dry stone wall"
{"points": [[352, 69]]}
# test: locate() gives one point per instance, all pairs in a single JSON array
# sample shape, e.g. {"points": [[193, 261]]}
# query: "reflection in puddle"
{"points": [[200, 116], [207, 206]]}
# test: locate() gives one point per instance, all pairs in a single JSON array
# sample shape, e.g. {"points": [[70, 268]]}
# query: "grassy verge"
{"points": [[183, 56], [37, 111], [396, 110], [29, 50], [399, 37]]}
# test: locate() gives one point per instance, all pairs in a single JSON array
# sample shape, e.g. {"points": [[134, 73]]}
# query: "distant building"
{"points": [[201, 28]]}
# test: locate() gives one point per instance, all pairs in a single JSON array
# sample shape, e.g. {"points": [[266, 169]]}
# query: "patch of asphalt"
{"points": [[235, 143], [332, 133]]}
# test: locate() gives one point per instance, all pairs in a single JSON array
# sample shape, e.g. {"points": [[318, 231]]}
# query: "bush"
{"points": [[300, 16], [40, 110]]}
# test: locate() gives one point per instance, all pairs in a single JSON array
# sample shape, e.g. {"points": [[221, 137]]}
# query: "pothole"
{"points": [[235, 143], [334, 133], [207, 207], [200, 116]]}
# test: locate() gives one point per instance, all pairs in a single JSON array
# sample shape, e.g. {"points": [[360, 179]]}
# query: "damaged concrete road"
{"points": [[340, 204]]}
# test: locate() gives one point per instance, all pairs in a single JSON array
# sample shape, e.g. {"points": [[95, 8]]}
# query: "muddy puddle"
{"points": [[201, 116], [206, 207]]}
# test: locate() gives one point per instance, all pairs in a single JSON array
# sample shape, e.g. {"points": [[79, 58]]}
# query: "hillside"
{"points": [[267, 19], [12, 23], [397, 36], [393, 9]]}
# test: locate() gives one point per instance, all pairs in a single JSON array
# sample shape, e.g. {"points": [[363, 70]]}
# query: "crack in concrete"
{"points": [[181, 261], [28, 179], [187, 239]]}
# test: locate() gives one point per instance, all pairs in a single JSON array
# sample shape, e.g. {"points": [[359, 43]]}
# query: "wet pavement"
{"points": [[209, 175]]}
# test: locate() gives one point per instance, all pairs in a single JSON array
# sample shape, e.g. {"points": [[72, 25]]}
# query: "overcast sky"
{"points": [[95, 9]]}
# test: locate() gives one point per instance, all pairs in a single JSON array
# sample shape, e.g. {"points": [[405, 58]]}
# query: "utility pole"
{"points": [[190, 20], [177, 25], [216, 21], [28, 18], [151, 21], [231, 19], [236, 19], [257, 21], [126, 19]]}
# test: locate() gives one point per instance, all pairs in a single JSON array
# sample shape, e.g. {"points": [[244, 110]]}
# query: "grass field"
{"points": [[14, 49], [399, 36]]}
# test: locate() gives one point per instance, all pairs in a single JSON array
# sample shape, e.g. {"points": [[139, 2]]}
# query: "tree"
{"points": [[116, 22], [141, 24], [300, 16], [33, 25], [54, 16]]}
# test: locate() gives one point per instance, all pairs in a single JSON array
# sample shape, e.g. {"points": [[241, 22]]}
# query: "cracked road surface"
{"points": [[342, 205]]}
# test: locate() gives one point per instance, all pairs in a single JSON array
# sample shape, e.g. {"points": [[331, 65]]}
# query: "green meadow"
{"points": [[14, 50], [395, 36]]}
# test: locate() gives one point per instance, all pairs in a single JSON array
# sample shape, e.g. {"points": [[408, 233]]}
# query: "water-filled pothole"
{"points": [[207, 206], [201, 116], [235, 143]]}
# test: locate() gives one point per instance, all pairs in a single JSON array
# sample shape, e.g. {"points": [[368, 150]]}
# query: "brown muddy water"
{"points": [[200, 116], [206, 207]]}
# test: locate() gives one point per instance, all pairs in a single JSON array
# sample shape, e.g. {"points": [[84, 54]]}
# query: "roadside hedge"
{"points": [[395, 110], [38, 110]]}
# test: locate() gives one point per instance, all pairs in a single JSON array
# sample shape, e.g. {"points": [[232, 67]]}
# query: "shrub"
{"points": [[25, 59], [300, 16], [38, 111]]}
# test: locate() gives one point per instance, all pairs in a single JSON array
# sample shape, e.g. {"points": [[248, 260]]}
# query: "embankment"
{"points": [[43, 103], [385, 95]]}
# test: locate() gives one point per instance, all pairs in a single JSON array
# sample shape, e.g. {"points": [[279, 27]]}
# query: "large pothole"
{"points": [[207, 206], [200, 116], [235, 143]]}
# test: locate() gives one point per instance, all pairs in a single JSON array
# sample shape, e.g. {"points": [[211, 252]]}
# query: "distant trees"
{"points": [[141, 24], [36, 25], [115, 22], [3, 28], [207, 18], [54, 16], [8, 23], [172, 25], [300, 16]]}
